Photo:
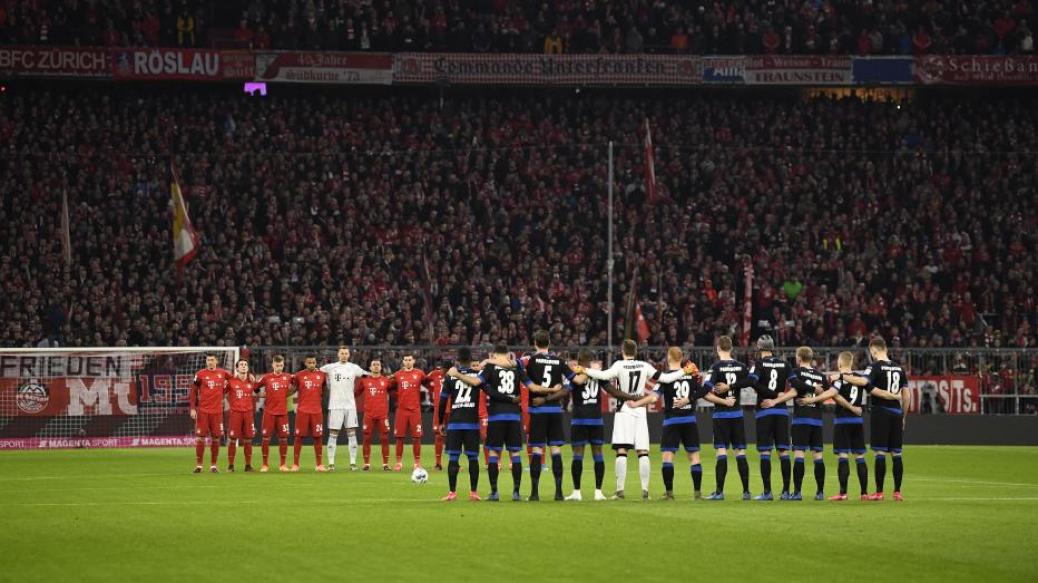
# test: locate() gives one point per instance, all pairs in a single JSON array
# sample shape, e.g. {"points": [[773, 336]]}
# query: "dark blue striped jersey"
{"points": [[805, 380], [463, 399], [889, 376], [686, 387], [547, 370], [732, 373], [587, 399], [500, 384], [853, 394], [769, 377]]}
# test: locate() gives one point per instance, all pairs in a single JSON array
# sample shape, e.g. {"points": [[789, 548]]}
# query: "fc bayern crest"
{"points": [[32, 398]]}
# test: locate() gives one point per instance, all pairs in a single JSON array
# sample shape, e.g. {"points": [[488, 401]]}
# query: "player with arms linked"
{"points": [[725, 379], [810, 385], [848, 428], [544, 374], [274, 387], [243, 414], [309, 383], [770, 375], [679, 422], [462, 432], [205, 398]]}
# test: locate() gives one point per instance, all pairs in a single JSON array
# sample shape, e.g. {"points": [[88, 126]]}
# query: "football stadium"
{"points": [[373, 289]]}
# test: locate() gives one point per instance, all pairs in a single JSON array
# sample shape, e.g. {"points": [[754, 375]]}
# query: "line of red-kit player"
{"points": [[211, 386]]}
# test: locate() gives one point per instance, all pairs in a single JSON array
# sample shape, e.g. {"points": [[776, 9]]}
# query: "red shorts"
{"points": [[242, 424], [272, 423], [208, 424], [483, 430], [373, 423], [309, 424], [408, 420]]}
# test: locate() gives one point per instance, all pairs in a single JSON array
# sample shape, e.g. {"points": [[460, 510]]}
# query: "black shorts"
{"points": [[546, 429], [686, 434], [807, 437], [504, 435], [772, 432], [463, 438], [849, 437], [887, 431], [730, 433], [585, 434]]}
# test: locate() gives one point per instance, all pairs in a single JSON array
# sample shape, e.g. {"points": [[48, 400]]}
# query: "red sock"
{"points": [[214, 449], [283, 450], [317, 449], [248, 453], [385, 449], [399, 450], [265, 448], [199, 450], [297, 448], [439, 449], [416, 448], [232, 448], [486, 456], [367, 449]]}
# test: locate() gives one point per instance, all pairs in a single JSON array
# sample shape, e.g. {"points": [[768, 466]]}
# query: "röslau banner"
{"points": [[546, 70], [331, 68], [55, 62], [977, 70], [957, 395], [797, 70], [181, 64]]}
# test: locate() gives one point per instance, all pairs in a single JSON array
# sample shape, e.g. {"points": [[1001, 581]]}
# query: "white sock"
{"points": [[643, 471], [621, 472], [352, 438], [332, 442]]}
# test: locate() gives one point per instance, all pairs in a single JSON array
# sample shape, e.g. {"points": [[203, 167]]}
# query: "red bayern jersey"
{"points": [[483, 406], [434, 380], [310, 384], [239, 393], [206, 393], [277, 386], [408, 389], [376, 395]]}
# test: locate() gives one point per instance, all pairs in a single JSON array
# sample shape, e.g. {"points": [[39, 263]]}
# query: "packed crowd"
{"points": [[386, 219], [528, 26]]}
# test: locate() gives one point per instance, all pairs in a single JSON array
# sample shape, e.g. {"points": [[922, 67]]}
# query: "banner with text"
{"points": [[957, 395], [55, 62], [797, 70], [67, 384], [724, 70], [182, 64], [567, 70], [976, 70], [332, 68]]}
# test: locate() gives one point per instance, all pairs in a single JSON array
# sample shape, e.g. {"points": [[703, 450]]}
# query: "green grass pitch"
{"points": [[140, 515]]}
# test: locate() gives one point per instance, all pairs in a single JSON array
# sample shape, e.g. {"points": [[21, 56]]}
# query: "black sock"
{"points": [[556, 471], [668, 476], [765, 471], [599, 471], [843, 471], [517, 472], [820, 474], [474, 473], [881, 471], [899, 471], [535, 472], [798, 474], [492, 470], [744, 471], [721, 472], [863, 474], [786, 470], [697, 477], [576, 469], [453, 467]]}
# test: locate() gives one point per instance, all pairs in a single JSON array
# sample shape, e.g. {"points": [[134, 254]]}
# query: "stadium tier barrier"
{"points": [[112, 397]]}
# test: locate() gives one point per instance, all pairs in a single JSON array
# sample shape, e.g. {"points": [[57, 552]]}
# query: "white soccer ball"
{"points": [[419, 476]]}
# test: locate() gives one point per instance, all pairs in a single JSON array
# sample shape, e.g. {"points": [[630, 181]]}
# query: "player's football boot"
{"points": [[865, 497], [819, 496], [399, 466], [645, 496], [785, 495], [451, 497], [264, 469], [438, 467], [876, 497], [197, 470], [667, 497], [282, 468], [385, 467], [494, 497], [353, 467], [214, 470], [367, 467], [516, 497], [230, 469], [764, 497], [331, 467], [838, 498], [697, 495], [474, 497], [599, 496], [618, 496], [716, 496], [796, 497], [575, 496], [248, 468], [534, 497], [320, 468], [898, 497], [295, 467], [559, 497], [747, 496]]}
